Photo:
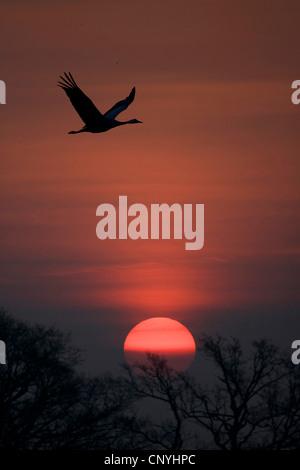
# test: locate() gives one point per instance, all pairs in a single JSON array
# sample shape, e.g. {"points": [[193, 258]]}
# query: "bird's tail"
{"points": [[77, 132]]}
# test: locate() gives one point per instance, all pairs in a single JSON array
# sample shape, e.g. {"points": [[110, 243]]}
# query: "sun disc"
{"points": [[164, 337]]}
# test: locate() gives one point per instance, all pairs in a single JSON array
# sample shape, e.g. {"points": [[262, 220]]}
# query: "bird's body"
{"points": [[102, 126], [95, 122]]}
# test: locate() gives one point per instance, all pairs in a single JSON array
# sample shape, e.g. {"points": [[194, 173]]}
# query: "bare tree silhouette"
{"points": [[156, 382], [255, 402], [46, 404]]}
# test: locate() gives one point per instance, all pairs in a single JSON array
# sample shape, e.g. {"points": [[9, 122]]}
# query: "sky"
{"points": [[213, 90]]}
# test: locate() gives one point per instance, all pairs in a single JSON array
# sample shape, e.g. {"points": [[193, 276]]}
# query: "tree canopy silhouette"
{"points": [[45, 403], [255, 401]]}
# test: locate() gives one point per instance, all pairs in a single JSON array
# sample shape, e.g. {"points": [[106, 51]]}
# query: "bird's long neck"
{"points": [[121, 123]]}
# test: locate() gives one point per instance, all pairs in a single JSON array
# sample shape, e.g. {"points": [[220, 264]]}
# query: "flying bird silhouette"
{"points": [[95, 122]]}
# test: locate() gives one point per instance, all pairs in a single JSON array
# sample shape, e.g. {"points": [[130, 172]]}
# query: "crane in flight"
{"points": [[94, 121]]}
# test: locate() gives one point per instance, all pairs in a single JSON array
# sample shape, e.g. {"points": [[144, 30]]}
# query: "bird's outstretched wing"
{"points": [[83, 105], [120, 106]]}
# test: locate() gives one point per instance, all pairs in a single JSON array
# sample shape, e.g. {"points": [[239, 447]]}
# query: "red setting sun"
{"points": [[164, 337]]}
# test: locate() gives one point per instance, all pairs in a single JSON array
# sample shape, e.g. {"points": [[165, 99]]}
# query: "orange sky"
{"points": [[213, 87]]}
